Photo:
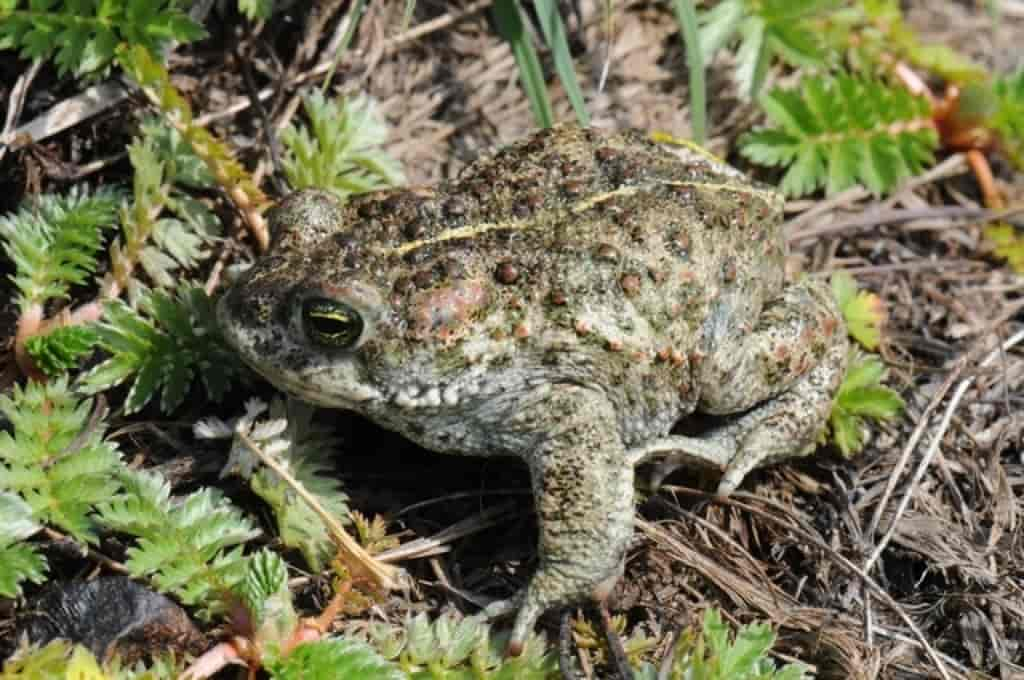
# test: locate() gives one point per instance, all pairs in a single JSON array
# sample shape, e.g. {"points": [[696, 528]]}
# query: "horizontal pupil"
{"points": [[332, 323]]}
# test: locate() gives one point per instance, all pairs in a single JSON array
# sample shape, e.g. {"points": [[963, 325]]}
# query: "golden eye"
{"points": [[331, 323]]}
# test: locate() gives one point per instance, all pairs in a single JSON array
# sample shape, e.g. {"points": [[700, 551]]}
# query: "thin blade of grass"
{"points": [[511, 28], [554, 34], [355, 13], [686, 15]]}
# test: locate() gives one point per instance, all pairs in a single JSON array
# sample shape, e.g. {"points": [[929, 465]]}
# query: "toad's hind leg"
{"points": [[781, 378], [583, 492]]}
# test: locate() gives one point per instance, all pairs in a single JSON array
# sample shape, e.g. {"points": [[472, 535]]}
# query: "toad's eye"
{"points": [[331, 323]]}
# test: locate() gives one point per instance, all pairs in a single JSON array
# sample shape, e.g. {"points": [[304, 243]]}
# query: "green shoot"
{"points": [[340, 150], [554, 34], [686, 16], [510, 25]]}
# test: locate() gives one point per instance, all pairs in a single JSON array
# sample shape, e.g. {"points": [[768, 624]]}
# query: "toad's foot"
{"points": [[583, 491]]}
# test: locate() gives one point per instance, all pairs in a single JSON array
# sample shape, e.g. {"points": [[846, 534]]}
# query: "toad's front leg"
{"points": [[583, 492]]}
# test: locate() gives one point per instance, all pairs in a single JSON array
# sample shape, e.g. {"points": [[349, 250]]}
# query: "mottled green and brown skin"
{"points": [[566, 300]]}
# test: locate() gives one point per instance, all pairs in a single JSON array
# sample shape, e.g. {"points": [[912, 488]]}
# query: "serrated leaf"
{"points": [[190, 548], [861, 397], [863, 312], [844, 130], [53, 458], [19, 563], [61, 349], [342, 154], [164, 350], [54, 241], [879, 403], [81, 37], [334, 658]]}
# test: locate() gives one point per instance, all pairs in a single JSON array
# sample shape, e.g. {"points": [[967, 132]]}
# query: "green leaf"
{"points": [[718, 26], [334, 658], [184, 546], [861, 397], [878, 403], [54, 242], [54, 458], [765, 30], [864, 312], [718, 653], [512, 29], [554, 34], [19, 563], [342, 154], [61, 349], [164, 345], [838, 131], [81, 36]]}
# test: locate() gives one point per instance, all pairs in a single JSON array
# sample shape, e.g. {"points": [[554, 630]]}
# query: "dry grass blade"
{"points": [[933, 448], [361, 562]]}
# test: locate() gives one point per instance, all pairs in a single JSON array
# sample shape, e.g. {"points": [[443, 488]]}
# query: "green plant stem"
{"points": [[686, 15]]}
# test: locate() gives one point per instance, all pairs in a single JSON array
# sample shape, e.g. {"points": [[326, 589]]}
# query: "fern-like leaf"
{"points": [[862, 396], [54, 242], [455, 647], [61, 349], [19, 561], [834, 133], [81, 36], [188, 547], [765, 29], [334, 658], [164, 346], [54, 458], [1008, 119], [306, 451], [339, 151], [718, 651], [165, 231]]}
